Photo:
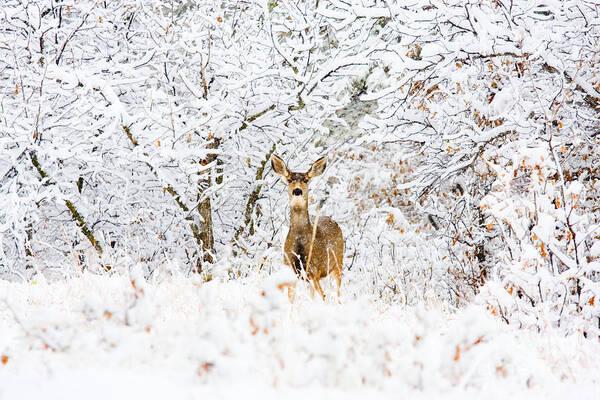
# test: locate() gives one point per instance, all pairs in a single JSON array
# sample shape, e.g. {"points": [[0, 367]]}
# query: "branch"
{"points": [[254, 196], [83, 226], [74, 213], [336, 65], [252, 118], [129, 135], [64, 44]]}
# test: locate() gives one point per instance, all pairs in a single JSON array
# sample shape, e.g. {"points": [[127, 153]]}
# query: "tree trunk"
{"points": [[205, 226]]}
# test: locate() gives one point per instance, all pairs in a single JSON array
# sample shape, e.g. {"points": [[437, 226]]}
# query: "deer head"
{"points": [[297, 182]]}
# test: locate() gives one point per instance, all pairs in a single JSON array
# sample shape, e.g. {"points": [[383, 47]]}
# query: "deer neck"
{"points": [[299, 222]]}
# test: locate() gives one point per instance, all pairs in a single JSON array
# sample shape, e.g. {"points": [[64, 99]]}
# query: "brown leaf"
{"points": [[254, 326], [457, 354]]}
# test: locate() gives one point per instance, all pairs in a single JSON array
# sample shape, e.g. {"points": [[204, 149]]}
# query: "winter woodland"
{"points": [[141, 222]]}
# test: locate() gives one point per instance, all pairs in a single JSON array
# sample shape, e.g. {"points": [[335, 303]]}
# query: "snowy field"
{"points": [[113, 337]]}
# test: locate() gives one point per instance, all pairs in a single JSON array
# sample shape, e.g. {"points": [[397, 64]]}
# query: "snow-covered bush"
{"points": [[549, 225], [502, 103], [468, 92]]}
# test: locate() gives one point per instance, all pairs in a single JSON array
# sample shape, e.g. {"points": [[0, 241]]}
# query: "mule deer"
{"points": [[313, 250]]}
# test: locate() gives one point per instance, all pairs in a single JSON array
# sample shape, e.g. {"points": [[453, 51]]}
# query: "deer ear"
{"points": [[279, 166], [317, 168]]}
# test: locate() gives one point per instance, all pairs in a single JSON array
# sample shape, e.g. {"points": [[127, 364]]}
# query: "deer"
{"points": [[312, 249]]}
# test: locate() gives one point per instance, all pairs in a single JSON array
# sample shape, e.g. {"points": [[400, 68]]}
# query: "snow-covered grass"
{"points": [[120, 337]]}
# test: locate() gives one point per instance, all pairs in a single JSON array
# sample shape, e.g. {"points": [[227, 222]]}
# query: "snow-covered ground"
{"points": [[114, 337]]}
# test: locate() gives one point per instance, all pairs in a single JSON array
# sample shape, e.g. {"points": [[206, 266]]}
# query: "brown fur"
{"points": [[328, 247]]}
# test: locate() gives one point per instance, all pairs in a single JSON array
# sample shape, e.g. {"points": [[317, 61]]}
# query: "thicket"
{"points": [[463, 140]]}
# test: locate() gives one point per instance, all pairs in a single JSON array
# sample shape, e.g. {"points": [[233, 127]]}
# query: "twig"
{"points": [[359, 241], [50, 343], [254, 196], [64, 44]]}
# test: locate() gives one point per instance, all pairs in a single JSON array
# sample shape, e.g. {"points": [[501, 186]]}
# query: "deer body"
{"points": [[311, 253]]}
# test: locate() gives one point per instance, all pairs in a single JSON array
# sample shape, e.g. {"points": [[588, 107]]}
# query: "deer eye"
{"points": [[305, 180], [289, 181]]}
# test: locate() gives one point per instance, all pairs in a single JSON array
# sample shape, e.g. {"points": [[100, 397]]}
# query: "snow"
{"points": [[226, 338], [595, 250], [463, 149], [502, 102]]}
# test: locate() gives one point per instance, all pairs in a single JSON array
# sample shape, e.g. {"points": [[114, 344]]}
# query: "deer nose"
{"points": [[297, 192]]}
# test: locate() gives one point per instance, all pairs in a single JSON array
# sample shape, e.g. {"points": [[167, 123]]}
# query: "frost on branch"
{"points": [[462, 136]]}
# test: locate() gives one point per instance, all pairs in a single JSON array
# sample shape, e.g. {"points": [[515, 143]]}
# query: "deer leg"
{"points": [[338, 278], [337, 271], [312, 290], [318, 287]]}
